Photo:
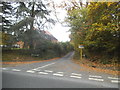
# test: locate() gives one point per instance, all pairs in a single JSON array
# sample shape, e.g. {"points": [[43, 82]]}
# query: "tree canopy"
{"points": [[96, 27], [28, 18]]}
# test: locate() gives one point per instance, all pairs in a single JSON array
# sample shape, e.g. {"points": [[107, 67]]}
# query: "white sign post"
{"points": [[81, 47]]}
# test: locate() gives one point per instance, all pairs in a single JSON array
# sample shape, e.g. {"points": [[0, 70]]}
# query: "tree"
{"points": [[77, 19], [96, 27], [104, 32], [6, 34], [30, 14], [6, 14]]}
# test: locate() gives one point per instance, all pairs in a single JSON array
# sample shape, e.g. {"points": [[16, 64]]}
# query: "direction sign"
{"points": [[81, 46]]}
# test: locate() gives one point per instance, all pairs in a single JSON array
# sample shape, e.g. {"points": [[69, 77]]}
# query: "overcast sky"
{"points": [[58, 31]]}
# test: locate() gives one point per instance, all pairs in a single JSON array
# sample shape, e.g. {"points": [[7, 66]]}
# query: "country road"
{"points": [[60, 73]]}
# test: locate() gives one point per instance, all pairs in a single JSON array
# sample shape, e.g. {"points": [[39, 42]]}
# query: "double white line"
{"points": [[75, 75], [58, 74], [114, 79], [97, 78]]}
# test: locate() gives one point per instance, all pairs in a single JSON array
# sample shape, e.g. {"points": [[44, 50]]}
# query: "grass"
{"points": [[8, 64], [17, 57], [23, 55]]}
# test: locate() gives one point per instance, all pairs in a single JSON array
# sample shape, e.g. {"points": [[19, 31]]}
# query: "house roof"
{"points": [[47, 35]]}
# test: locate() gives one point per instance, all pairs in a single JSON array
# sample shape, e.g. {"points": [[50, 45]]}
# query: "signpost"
{"points": [[81, 47]]}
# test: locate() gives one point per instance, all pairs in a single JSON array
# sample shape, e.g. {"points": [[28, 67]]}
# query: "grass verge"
{"points": [[7, 64], [91, 66]]}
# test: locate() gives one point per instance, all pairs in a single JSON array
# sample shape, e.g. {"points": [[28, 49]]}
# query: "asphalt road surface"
{"points": [[60, 73]]}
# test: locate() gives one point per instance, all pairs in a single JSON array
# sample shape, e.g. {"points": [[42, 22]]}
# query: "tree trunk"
{"points": [[32, 27], [86, 4]]}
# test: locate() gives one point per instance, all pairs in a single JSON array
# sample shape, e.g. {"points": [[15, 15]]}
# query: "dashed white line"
{"points": [[48, 71], [76, 74], [44, 66], [60, 72], [96, 79], [16, 70], [36, 69], [30, 71], [42, 73], [115, 81], [75, 77], [56, 74], [95, 76], [4, 68], [113, 78]]}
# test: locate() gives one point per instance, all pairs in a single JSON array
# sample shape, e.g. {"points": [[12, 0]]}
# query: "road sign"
{"points": [[81, 46]]}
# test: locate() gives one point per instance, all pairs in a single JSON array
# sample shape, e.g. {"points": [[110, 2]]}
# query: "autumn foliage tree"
{"points": [[97, 28]]}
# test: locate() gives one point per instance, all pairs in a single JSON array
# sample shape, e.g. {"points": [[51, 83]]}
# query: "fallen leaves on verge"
{"points": [[88, 66], [25, 62]]}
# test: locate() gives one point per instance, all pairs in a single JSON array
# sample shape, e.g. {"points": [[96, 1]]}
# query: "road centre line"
{"points": [[75, 76], [42, 73], [36, 70], [4, 68], [44, 66], [60, 72], [16, 70], [113, 78], [115, 81], [56, 74], [95, 76], [30, 71], [96, 79], [48, 71]]}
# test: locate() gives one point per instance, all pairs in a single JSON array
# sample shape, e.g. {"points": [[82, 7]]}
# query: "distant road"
{"points": [[60, 73]]}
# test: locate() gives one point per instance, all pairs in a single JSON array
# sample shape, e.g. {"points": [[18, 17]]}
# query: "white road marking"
{"points": [[115, 81], [44, 66], [16, 70], [75, 77], [95, 76], [60, 72], [113, 78], [76, 74], [42, 73], [36, 69], [48, 71], [96, 79], [4, 68], [30, 71], [56, 74]]}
